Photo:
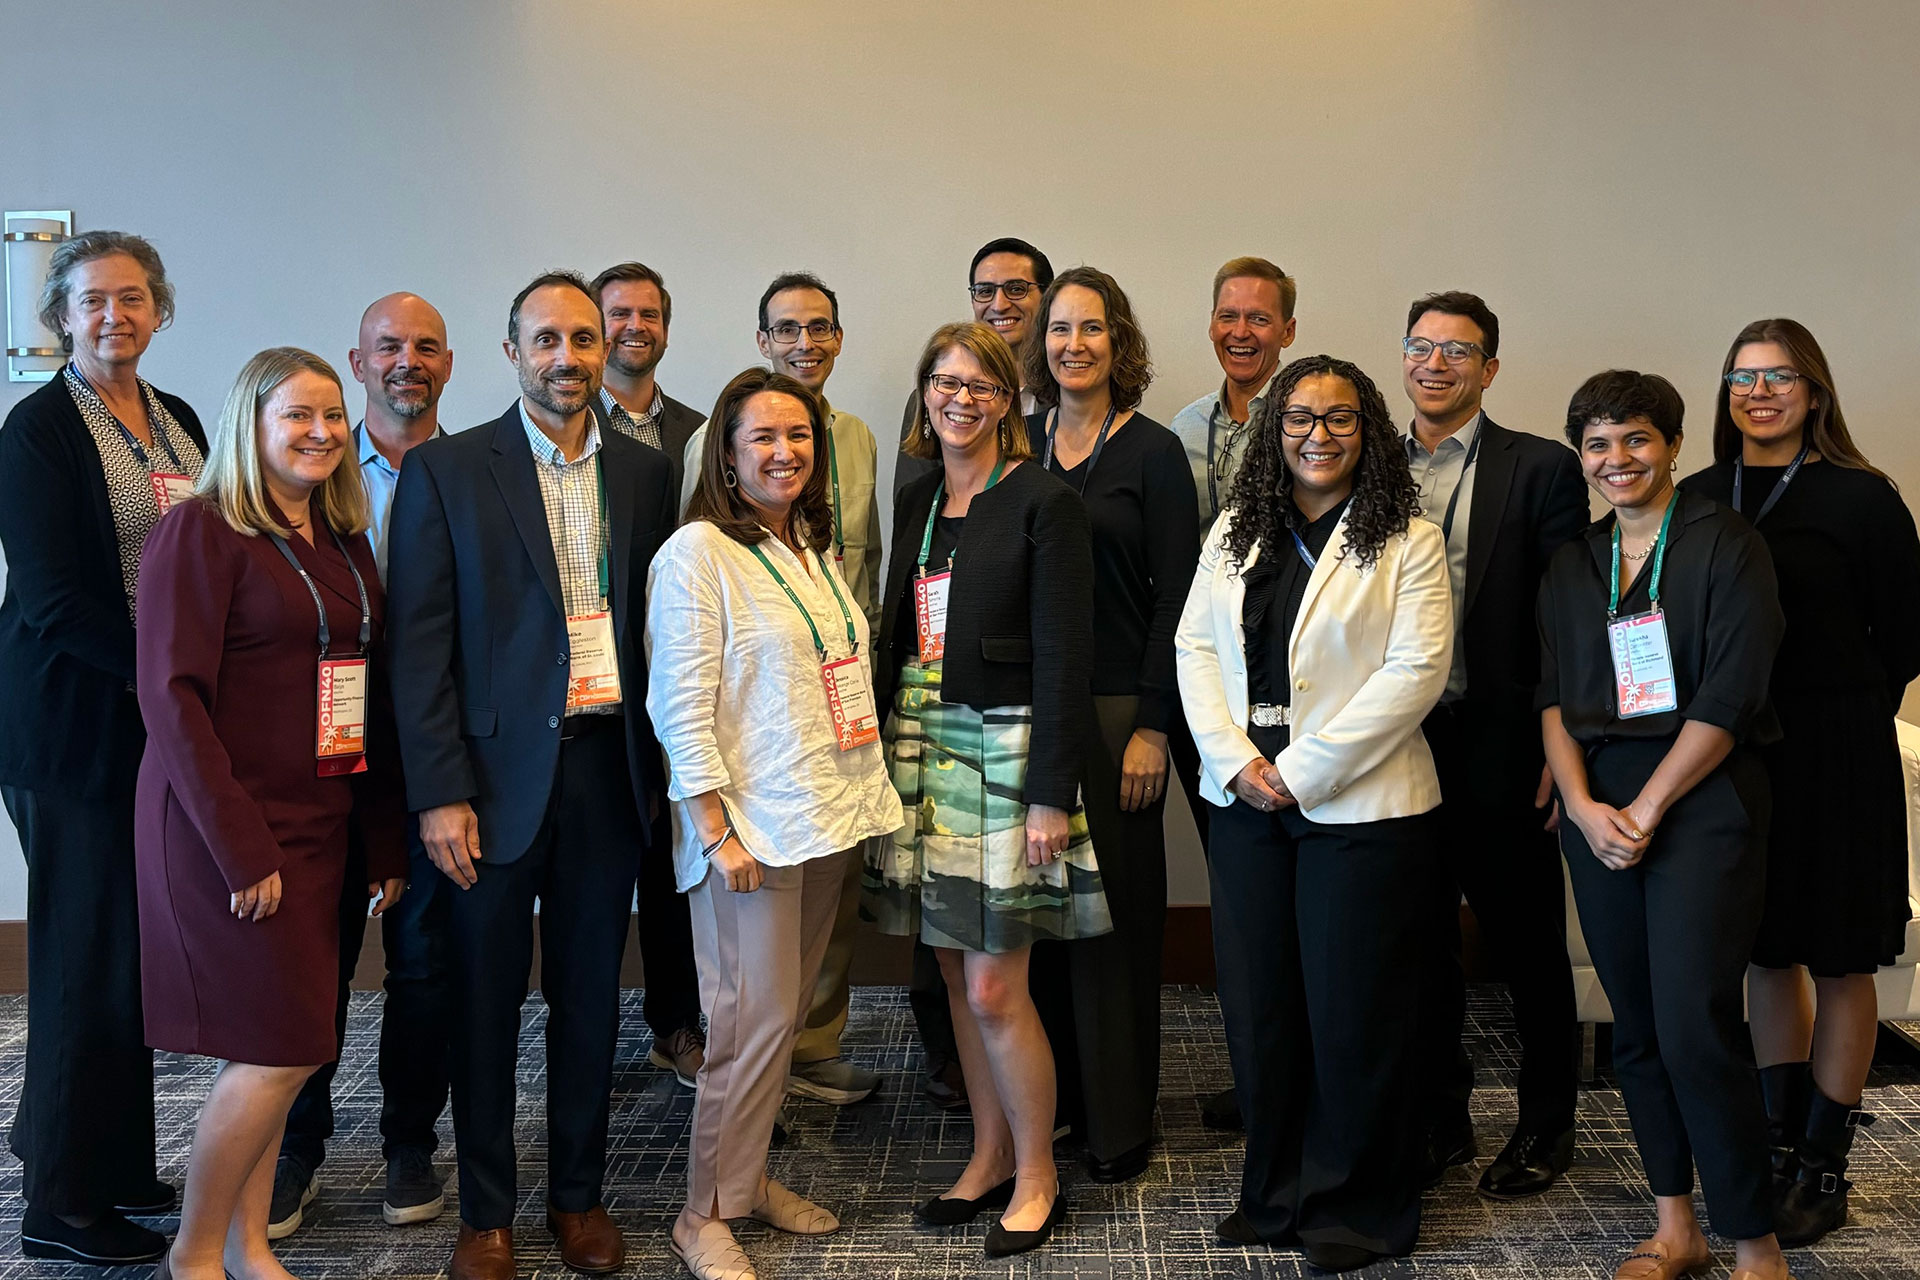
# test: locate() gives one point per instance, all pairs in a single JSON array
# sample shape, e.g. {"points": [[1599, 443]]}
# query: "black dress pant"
{"points": [[1493, 848], [1099, 998], [672, 998], [414, 1021], [1670, 938], [84, 1128], [1319, 936], [581, 868]]}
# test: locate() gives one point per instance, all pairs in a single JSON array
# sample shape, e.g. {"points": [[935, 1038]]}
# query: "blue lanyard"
{"points": [[1779, 486], [133, 442], [1300, 545], [1093, 459], [1453, 503]]}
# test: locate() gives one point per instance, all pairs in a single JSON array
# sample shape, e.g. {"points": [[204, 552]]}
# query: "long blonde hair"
{"points": [[231, 481]]}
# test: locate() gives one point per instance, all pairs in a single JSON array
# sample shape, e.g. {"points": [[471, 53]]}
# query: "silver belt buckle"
{"points": [[1266, 715]]}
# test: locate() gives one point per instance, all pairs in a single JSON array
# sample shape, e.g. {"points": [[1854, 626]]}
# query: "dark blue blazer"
{"points": [[477, 631]]}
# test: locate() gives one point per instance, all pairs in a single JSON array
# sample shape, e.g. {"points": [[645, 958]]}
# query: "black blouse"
{"points": [[1279, 577], [1844, 546], [1146, 542], [1723, 628]]}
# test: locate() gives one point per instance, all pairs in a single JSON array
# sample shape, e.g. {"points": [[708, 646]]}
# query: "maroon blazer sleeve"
{"points": [[379, 794], [188, 571]]}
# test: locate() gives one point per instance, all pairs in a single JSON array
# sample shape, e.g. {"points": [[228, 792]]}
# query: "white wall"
{"points": [[1626, 183]]}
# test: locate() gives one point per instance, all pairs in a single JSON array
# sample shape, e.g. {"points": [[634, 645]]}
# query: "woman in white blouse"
{"points": [[762, 696], [1316, 637]]}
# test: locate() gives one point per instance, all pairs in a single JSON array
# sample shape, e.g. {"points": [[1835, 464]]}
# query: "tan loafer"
{"points": [[785, 1210], [1653, 1260], [715, 1255]]}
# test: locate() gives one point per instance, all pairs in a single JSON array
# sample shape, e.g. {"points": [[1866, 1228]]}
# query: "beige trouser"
{"points": [[825, 1014], [758, 954]]}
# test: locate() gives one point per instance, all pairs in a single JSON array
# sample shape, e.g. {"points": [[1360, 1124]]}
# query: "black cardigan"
{"points": [[66, 644], [1019, 616]]}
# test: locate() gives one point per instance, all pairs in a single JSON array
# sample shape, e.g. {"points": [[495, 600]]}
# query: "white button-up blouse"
{"points": [[738, 703]]}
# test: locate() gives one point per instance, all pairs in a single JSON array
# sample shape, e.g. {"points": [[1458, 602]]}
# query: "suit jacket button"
{"points": [[562, 659], [553, 722]]}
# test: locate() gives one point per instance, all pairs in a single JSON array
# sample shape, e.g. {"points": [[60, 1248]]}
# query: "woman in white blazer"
{"points": [[1316, 637]]}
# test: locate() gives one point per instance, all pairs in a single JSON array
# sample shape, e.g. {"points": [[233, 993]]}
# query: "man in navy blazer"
{"points": [[516, 606]]}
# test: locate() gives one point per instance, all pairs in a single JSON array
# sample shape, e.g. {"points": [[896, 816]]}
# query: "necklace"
{"points": [[1644, 553]]}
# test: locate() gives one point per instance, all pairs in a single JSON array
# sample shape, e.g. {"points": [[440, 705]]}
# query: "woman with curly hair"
{"points": [[1087, 369], [1317, 635]]}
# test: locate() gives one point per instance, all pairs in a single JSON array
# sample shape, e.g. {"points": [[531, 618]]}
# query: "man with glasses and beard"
{"points": [[515, 621], [403, 360]]}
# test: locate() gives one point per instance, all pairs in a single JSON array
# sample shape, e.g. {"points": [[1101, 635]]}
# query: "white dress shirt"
{"points": [[739, 706]]}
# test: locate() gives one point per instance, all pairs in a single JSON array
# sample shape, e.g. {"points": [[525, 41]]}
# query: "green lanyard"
{"points": [[833, 466], [1659, 560], [853, 641], [606, 538], [939, 492]]}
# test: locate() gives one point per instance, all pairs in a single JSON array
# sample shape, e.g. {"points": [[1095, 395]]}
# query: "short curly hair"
{"points": [[84, 248], [1132, 367], [1260, 504]]}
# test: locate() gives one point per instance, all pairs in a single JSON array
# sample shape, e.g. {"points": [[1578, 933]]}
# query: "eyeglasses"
{"points": [[787, 332], [1741, 382], [1014, 289], [948, 385], [1452, 351], [1339, 422]]}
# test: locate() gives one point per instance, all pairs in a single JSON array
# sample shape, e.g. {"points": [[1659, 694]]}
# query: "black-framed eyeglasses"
{"points": [[1780, 380], [1339, 422], [980, 389], [1453, 351], [1014, 289], [787, 332]]}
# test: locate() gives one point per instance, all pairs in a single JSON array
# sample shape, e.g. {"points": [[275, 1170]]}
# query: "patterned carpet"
{"points": [[871, 1161]]}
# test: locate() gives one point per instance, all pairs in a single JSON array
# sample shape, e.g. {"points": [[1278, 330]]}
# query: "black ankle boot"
{"points": [[1785, 1088], [1815, 1202]]}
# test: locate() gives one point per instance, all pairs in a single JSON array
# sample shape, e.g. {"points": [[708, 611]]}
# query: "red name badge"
{"points": [[168, 488], [341, 742], [1643, 682], [930, 613], [850, 701]]}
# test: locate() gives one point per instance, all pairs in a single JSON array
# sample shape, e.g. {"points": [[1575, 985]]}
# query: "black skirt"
{"points": [[1837, 857]]}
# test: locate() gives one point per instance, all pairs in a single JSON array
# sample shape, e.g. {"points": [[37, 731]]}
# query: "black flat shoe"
{"points": [[951, 1211], [108, 1241], [1235, 1229], [1442, 1151], [1329, 1258], [154, 1202], [1222, 1111], [1002, 1243], [1124, 1167], [1527, 1165]]}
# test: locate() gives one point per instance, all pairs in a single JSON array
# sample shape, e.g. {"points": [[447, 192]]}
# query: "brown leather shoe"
{"points": [[482, 1255], [1653, 1260], [589, 1242]]}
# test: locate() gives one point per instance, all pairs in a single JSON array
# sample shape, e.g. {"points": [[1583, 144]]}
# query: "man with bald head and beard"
{"points": [[403, 360]]}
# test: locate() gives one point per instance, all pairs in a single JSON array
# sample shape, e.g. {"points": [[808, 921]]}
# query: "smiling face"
{"points": [[1079, 342], [962, 424], [636, 323], [561, 353], [302, 434], [110, 313], [1010, 319], [1630, 463], [1442, 393], [1322, 463], [1247, 331], [1766, 416], [403, 358], [807, 359], [771, 450]]}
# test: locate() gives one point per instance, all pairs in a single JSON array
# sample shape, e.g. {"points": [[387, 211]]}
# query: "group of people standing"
{"points": [[274, 677]]}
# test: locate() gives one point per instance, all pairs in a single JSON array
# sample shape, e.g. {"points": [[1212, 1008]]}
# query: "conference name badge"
{"points": [[850, 702], [930, 613], [593, 672], [168, 488], [1642, 665], [341, 742]]}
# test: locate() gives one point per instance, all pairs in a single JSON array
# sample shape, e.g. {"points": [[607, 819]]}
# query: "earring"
{"points": [[926, 428], [732, 478]]}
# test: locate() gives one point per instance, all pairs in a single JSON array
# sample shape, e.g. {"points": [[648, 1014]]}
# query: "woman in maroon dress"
{"points": [[259, 603]]}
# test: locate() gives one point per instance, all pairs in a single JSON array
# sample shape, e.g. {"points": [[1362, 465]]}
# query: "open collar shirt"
{"points": [[1439, 475]]}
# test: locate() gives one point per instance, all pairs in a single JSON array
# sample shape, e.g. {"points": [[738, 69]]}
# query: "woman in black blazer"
{"points": [[984, 646], [88, 464]]}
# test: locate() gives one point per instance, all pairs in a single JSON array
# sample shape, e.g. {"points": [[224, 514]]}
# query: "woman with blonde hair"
{"points": [[262, 681], [984, 649]]}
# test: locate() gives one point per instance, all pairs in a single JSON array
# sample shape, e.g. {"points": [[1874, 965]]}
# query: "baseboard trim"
{"points": [[879, 960]]}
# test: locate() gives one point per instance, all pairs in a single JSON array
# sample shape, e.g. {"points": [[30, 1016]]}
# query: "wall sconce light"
{"points": [[33, 350]]}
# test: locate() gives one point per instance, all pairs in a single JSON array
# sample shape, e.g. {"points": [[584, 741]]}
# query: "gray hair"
{"points": [[84, 248]]}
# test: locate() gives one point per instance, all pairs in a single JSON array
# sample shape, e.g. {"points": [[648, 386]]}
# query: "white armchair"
{"points": [[1899, 983]]}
